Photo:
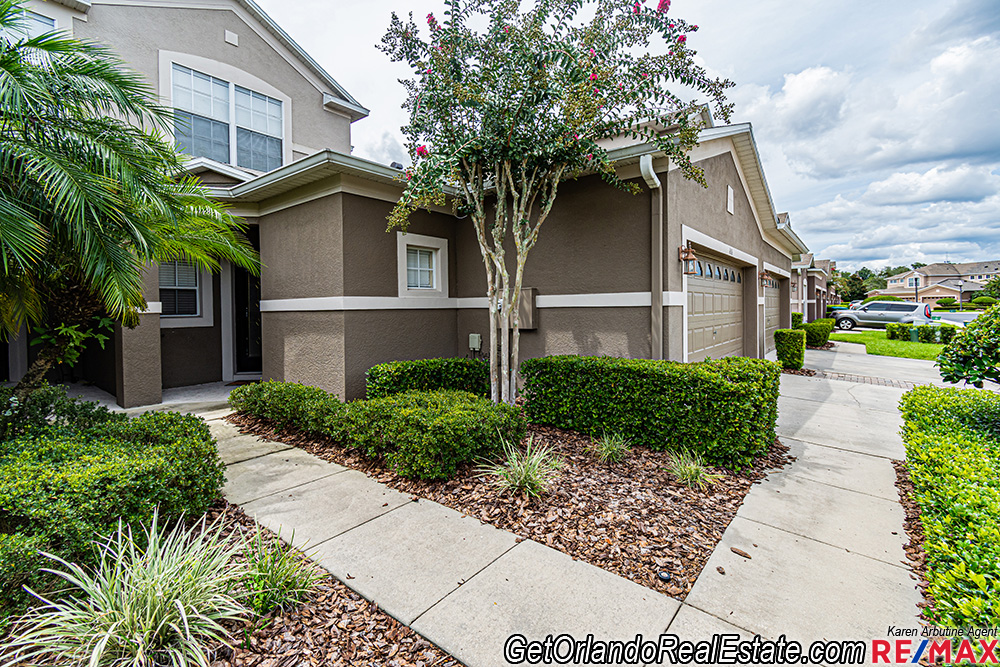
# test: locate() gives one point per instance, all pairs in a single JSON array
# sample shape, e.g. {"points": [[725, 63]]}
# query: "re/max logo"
{"points": [[896, 651]]}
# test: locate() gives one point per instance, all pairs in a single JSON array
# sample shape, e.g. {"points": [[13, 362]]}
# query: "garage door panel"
{"points": [[715, 312], [772, 310]]}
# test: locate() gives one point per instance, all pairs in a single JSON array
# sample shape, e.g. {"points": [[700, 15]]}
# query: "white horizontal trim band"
{"points": [[689, 234], [760, 301], [674, 299], [152, 308], [771, 268], [342, 303]]}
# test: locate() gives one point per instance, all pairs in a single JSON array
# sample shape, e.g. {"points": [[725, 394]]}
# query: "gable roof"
{"points": [[944, 269], [342, 100]]}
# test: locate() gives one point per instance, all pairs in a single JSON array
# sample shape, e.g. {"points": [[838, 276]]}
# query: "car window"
{"points": [[878, 306], [903, 307]]}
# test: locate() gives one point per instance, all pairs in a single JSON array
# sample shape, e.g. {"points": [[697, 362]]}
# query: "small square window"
{"points": [[179, 289], [419, 268]]}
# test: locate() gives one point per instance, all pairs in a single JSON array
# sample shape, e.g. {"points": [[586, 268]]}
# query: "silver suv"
{"points": [[880, 313]]}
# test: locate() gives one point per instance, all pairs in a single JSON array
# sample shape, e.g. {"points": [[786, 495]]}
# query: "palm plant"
{"points": [[90, 190]]}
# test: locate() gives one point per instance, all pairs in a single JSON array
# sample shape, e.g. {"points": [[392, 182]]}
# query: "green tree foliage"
{"points": [[507, 102], [849, 286], [973, 355], [89, 191], [991, 288]]}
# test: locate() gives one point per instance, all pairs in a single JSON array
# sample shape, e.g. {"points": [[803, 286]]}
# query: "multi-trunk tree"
{"points": [[508, 101]]}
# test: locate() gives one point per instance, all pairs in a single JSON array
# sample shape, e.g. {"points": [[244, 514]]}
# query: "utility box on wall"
{"points": [[527, 311]]}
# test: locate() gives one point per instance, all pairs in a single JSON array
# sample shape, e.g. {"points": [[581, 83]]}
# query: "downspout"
{"points": [[656, 257]]}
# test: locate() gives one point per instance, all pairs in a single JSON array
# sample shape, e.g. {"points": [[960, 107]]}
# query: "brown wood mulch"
{"points": [[630, 518], [829, 345], [333, 627], [808, 372], [915, 531]]}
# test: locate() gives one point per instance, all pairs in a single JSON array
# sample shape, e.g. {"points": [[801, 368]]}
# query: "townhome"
{"points": [[811, 288], [941, 280], [677, 272]]}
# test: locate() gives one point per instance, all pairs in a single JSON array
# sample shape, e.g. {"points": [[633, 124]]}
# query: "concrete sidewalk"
{"points": [[825, 538]]}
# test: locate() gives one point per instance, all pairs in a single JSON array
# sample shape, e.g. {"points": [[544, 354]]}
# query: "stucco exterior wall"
{"points": [[137, 34], [306, 347], [301, 250]]}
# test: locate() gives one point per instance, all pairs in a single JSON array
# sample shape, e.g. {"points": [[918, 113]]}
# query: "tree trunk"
{"points": [[34, 378]]}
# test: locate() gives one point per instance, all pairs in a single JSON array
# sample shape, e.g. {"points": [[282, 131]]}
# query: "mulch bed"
{"points": [[808, 372], [631, 518], [829, 345], [334, 627], [914, 530]]}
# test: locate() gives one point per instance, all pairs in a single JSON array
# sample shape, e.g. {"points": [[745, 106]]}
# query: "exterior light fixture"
{"points": [[765, 278], [688, 258]]}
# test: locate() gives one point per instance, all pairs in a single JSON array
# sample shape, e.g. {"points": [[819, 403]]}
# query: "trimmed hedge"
{"points": [[60, 487], [952, 442], [926, 333], [818, 332], [796, 320], [984, 301], [419, 434], [471, 375], [897, 331], [791, 347], [724, 410]]}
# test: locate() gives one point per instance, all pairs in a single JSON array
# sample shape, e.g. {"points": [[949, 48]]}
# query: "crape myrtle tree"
{"points": [[90, 194], [511, 98]]}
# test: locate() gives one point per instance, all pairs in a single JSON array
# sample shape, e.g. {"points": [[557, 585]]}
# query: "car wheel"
{"points": [[845, 323]]}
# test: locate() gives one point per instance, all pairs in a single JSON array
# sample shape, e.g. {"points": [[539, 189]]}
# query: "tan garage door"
{"points": [[771, 313], [715, 311]]}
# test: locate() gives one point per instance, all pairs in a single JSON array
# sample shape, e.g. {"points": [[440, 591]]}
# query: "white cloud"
{"points": [[962, 184]]}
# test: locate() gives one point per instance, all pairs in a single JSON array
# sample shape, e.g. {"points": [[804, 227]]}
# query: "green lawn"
{"points": [[876, 343]]}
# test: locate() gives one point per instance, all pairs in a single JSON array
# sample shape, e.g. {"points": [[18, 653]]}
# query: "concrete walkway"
{"points": [[825, 538]]}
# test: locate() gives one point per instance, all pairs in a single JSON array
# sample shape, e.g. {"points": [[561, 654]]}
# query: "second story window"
{"points": [[225, 122]]}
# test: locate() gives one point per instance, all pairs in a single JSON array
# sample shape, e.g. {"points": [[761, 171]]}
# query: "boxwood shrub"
{"points": [[791, 347], [60, 487], [420, 434], [897, 331], [818, 332], [724, 410], [796, 320], [429, 434], [471, 375], [952, 440], [926, 333]]}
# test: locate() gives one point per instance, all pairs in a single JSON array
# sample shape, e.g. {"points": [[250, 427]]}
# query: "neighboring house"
{"points": [[811, 289], [930, 283], [338, 294]]}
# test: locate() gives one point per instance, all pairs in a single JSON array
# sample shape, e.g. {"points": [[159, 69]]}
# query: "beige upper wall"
{"points": [[139, 33]]}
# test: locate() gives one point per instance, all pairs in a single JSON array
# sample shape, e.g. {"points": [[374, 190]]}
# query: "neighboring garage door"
{"points": [[771, 313], [715, 311]]}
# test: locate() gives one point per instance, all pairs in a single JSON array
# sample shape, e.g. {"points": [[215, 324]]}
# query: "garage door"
{"points": [[771, 313], [715, 311]]}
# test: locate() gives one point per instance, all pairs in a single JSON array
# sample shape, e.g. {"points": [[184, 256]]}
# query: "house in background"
{"points": [[930, 283], [811, 289], [269, 132]]}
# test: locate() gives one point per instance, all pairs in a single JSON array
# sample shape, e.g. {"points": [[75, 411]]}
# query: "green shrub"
{"points": [[20, 561], [429, 434], [690, 470], [791, 347], [288, 404], [49, 407], [947, 302], [818, 332], [952, 440], [60, 489], [947, 333], [159, 598], [796, 320], [898, 331], [973, 354], [984, 301], [725, 410], [471, 375], [928, 334], [530, 472], [884, 297]]}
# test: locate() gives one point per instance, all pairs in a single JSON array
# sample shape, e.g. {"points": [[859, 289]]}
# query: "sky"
{"points": [[878, 123]]}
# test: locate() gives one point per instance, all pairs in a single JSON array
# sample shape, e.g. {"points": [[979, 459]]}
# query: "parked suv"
{"points": [[880, 313]]}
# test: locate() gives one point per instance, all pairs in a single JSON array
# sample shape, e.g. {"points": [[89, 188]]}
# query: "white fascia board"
{"points": [[194, 165], [78, 5]]}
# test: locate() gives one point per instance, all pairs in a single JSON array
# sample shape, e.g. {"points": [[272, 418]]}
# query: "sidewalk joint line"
{"points": [[294, 486]]}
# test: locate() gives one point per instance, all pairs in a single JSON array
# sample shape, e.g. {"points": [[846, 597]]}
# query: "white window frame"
{"points": [[234, 77], [911, 281], [439, 247], [730, 200], [206, 307]]}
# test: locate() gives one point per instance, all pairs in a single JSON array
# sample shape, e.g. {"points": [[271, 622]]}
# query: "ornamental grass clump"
{"points": [[612, 448], [691, 471], [530, 472], [158, 598], [276, 576]]}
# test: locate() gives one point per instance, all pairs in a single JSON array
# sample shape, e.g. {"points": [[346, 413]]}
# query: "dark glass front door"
{"points": [[246, 310]]}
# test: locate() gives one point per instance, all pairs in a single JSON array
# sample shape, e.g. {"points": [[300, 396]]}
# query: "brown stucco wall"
{"points": [[137, 353], [370, 257], [374, 337], [305, 347], [138, 33], [193, 355], [301, 250]]}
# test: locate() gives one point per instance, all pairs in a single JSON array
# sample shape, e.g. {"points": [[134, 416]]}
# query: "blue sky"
{"points": [[878, 122]]}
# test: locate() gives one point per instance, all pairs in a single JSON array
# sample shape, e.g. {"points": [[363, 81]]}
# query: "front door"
{"points": [[246, 311]]}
